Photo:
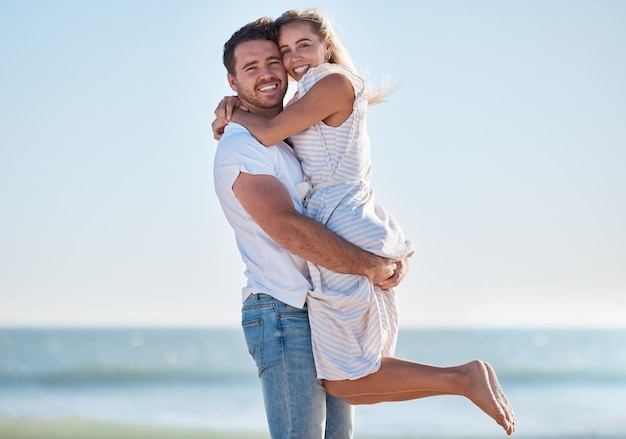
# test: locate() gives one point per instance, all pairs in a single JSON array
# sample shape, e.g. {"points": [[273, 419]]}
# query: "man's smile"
{"points": [[268, 87]]}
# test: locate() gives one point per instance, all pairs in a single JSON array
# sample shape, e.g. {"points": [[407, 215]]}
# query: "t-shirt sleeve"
{"points": [[239, 152]]}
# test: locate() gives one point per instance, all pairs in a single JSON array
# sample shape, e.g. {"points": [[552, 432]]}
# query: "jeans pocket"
{"points": [[253, 333]]}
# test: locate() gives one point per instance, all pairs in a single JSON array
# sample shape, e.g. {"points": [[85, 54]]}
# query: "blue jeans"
{"points": [[296, 403]]}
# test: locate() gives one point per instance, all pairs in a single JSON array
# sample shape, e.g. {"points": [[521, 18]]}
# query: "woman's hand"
{"points": [[227, 106], [218, 126], [223, 114]]}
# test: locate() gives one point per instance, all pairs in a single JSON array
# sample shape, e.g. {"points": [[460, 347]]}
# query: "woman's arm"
{"points": [[330, 100]]}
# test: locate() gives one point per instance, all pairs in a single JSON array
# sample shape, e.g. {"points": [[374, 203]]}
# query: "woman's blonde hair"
{"points": [[322, 27]]}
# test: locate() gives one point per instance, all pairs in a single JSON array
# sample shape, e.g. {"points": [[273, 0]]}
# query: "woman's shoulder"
{"points": [[323, 70]]}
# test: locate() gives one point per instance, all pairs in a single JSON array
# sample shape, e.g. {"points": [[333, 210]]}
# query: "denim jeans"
{"points": [[296, 403]]}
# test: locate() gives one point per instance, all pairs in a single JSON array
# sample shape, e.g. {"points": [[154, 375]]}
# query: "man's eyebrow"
{"points": [[255, 62], [248, 64]]}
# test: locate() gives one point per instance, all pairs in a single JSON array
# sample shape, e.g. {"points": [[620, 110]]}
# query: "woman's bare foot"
{"points": [[481, 393], [500, 396]]}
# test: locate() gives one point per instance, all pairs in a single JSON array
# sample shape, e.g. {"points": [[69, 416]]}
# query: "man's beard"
{"points": [[255, 99]]}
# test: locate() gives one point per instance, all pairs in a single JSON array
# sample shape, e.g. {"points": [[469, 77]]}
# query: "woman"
{"points": [[353, 323]]}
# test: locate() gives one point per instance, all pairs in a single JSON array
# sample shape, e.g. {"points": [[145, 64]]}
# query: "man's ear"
{"points": [[232, 82]]}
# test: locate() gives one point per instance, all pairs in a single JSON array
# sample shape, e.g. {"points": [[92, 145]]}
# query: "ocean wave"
{"points": [[539, 375], [101, 357], [104, 375], [111, 375]]}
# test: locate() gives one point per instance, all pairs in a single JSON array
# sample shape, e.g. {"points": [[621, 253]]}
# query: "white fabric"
{"points": [[270, 269], [352, 322]]}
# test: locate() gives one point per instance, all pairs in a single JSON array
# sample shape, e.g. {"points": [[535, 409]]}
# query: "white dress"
{"points": [[352, 322]]}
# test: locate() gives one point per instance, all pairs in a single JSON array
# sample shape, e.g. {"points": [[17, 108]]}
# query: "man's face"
{"points": [[260, 79]]}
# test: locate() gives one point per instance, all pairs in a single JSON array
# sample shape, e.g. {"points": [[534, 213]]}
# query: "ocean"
{"points": [[562, 382]]}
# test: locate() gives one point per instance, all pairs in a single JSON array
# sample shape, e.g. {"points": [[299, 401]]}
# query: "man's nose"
{"points": [[265, 71]]}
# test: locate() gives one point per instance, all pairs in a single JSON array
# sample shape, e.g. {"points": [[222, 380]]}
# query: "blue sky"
{"points": [[502, 154]]}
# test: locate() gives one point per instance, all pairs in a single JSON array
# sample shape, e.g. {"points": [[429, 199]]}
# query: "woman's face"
{"points": [[301, 48]]}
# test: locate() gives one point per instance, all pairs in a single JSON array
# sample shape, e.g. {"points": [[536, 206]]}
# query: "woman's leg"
{"points": [[401, 380]]}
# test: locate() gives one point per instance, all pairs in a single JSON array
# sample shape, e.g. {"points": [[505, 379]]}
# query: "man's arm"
{"points": [[267, 201]]}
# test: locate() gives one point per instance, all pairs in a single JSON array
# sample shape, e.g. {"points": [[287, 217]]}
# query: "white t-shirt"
{"points": [[270, 269]]}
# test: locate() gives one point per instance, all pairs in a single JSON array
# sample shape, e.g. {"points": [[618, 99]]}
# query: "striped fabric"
{"points": [[352, 323]]}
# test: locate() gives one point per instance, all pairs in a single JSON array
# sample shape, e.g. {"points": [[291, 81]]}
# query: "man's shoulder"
{"points": [[238, 140], [236, 133]]}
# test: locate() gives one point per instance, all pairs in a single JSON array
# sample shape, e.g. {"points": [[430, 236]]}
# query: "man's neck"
{"points": [[265, 112], [270, 112]]}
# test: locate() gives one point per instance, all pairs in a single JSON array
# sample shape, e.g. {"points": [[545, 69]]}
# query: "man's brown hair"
{"points": [[261, 29]]}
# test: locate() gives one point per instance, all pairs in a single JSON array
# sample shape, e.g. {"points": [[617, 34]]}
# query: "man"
{"points": [[258, 188]]}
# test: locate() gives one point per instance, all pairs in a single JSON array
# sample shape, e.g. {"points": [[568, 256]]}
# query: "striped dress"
{"points": [[353, 323]]}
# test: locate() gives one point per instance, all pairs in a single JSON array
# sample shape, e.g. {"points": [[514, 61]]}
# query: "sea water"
{"points": [[562, 383]]}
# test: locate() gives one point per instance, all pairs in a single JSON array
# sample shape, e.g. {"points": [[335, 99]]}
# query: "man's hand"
{"points": [[402, 268], [381, 269]]}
